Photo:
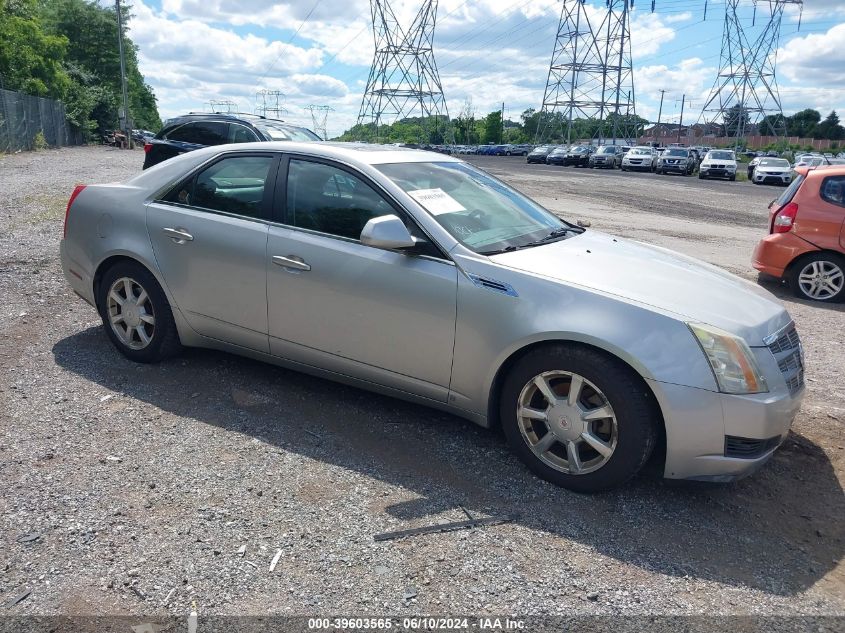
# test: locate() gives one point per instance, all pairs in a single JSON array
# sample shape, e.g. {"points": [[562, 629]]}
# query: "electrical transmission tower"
{"points": [[269, 103], [590, 75], [319, 116], [745, 90], [403, 80], [223, 105]]}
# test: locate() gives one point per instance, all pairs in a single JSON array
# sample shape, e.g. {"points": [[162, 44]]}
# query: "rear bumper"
{"points": [[76, 275], [776, 251], [699, 422]]}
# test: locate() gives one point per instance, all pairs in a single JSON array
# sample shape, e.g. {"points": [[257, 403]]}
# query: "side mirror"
{"points": [[387, 232]]}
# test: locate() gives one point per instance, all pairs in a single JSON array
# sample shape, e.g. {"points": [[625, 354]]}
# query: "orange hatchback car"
{"points": [[806, 241]]}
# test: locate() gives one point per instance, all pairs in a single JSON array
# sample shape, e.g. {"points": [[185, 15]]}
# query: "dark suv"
{"points": [[197, 130]]}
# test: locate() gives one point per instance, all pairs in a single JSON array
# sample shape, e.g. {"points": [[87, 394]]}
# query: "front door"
{"points": [[383, 316], [209, 236]]}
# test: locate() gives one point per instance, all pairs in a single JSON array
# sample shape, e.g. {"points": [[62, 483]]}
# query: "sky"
{"points": [[319, 52]]}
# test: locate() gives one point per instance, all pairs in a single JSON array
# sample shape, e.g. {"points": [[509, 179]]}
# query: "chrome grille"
{"points": [[786, 347]]}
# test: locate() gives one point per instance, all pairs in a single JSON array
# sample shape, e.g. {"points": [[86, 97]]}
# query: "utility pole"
{"points": [[503, 122], [681, 123], [659, 114], [126, 128]]}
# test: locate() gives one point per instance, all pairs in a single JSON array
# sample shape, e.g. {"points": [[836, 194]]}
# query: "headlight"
{"points": [[731, 360]]}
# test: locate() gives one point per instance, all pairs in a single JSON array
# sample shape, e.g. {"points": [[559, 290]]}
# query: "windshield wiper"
{"points": [[551, 236]]}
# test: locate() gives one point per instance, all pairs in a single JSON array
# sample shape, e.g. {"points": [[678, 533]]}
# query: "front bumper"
{"points": [[680, 168], [704, 428], [772, 179], [716, 172], [637, 166]]}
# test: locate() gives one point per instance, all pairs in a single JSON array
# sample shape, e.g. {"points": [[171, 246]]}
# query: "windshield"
{"points": [[774, 162], [559, 150], [607, 150], [640, 151], [721, 156], [285, 133], [541, 149], [478, 210], [580, 150], [675, 152]]}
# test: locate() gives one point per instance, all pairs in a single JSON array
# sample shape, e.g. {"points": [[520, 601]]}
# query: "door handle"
{"points": [[291, 261], [180, 236]]}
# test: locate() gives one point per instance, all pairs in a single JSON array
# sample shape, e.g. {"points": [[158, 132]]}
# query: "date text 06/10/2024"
{"points": [[421, 623]]}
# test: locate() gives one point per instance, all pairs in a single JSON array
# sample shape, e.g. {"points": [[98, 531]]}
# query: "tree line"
{"points": [[68, 50]]}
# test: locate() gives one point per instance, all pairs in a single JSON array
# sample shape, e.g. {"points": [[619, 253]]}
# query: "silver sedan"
{"points": [[418, 275]]}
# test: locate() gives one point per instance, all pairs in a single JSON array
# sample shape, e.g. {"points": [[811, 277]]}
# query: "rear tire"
{"points": [[607, 448], [818, 277], [136, 315]]}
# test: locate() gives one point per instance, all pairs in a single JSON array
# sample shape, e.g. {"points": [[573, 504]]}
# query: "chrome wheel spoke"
{"points": [[602, 448], [532, 414], [116, 297], [142, 334], [572, 457], [127, 289], [117, 318], [148, 318], [545, 443], [141, 299], [575, 387], [546, 389], [598, 414]]}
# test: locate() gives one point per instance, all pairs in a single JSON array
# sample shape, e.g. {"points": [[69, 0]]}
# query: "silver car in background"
{"points": [[775, 171], [417, 275]]}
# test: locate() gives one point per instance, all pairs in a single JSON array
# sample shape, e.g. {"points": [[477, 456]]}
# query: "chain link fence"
{"points": [[23, 116]]}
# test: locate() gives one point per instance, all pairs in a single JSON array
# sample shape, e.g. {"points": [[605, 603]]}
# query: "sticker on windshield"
{"points": [[436, 201]]}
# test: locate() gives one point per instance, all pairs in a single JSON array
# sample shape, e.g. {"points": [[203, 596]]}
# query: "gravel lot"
{"points": [[129, 489]]}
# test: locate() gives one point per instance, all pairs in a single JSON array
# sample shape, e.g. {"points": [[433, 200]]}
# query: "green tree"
{"points": [[29, 58], [803, 123], [736, 121], [830, 128], [493, 127]]}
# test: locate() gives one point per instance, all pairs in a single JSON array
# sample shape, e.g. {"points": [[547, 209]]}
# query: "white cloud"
{"points": [[818, 58]]}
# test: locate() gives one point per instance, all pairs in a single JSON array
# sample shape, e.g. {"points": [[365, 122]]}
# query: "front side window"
{"points": [[330, 200], [478, 210], [833, 190], [232, 185]]}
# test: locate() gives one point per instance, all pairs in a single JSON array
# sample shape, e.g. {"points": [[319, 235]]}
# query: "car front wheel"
{"points": [[136, 314], [578, 418], [820, 277]]}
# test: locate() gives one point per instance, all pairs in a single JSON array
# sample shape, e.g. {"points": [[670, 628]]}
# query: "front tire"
{"points": [[136, 315], [818, 277], [577, 417]]}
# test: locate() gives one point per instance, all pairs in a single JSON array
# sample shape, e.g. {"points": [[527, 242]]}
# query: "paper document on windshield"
{"points": [[436, 201]]}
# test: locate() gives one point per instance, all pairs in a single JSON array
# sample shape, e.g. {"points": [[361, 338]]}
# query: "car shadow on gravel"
{"points": [[783, 292], [779, 531]]}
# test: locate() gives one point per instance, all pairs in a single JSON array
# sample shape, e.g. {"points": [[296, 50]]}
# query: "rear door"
{"points": [[209, 235]]}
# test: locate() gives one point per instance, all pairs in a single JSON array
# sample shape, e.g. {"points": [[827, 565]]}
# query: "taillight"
{"points": [[77, 190], [785, 218], [147, 147]]}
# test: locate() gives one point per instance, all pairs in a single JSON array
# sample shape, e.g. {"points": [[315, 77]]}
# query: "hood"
{"points": [[656, 277]]}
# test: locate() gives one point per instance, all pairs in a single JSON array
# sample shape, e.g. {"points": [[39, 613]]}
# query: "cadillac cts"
{"points": [[420, 276]]}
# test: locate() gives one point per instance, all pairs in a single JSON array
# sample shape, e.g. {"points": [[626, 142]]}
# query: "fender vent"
{"points": [[492, 284]]}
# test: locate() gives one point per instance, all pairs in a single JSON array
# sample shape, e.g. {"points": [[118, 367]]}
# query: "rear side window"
{"points": [[241, 134], [833, 190], [232, 185], [789, 192], [201, 133]]}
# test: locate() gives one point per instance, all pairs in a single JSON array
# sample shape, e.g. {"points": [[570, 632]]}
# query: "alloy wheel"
{"points": [[567, 422], [821, 279], [130, 313]]}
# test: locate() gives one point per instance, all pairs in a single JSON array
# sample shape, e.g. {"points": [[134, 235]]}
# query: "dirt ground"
{"points": [[129, 489]]}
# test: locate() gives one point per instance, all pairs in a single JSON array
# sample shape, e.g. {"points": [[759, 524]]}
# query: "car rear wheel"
{"points": [[578, 418], [820, 277], [136, 314]]}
